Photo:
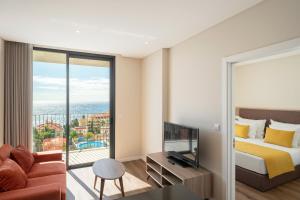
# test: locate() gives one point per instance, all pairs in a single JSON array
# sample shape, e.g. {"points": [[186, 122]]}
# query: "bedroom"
{"points": [[267, 125]]}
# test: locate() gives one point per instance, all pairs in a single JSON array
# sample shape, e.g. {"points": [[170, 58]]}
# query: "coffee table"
{"points": [[108, 169]]}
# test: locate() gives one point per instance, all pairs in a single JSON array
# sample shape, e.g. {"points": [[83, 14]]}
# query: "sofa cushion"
{"points": [[46, 156], [48, 180], [11, 176], [43, 192], [47, 168], [5, 151], [23, 157]]}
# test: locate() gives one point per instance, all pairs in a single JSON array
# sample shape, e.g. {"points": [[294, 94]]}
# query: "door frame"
{"points": [[84, 55], [228, 109]]}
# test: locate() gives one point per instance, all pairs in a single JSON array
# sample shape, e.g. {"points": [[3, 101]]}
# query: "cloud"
{"points": [[49, 81], [81, 90], [50, 87]]}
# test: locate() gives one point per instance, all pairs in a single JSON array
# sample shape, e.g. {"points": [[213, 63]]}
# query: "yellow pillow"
{"points": [[242, 130], [279, 137]]}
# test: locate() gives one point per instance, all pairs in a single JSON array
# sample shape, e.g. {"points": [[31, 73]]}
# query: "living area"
{"points": [[123, 99]]}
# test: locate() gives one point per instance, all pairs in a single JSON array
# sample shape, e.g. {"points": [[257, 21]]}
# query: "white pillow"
{"points": [[252, 128], [261, 123], [288, 127]]}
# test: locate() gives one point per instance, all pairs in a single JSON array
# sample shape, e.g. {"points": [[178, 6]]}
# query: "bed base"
{"points": [[262, 182]]}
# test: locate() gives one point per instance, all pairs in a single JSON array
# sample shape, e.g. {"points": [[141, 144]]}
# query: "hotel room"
{"points": [[267, 114], [160, 100]]}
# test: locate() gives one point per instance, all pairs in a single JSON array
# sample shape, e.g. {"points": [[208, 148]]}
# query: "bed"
{"points": [[251, 169]]}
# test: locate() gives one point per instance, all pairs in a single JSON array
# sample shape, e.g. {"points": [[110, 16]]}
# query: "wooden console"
{"points": [[164, 173]]}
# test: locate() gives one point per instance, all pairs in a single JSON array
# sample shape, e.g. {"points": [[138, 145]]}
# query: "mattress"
{"points": [[257, 164]]}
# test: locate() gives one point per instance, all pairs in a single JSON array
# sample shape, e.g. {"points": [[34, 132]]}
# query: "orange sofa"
{"points": [[46, 179]]}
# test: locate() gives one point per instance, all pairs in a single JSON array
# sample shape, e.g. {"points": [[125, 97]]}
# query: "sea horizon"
{"points": [[75, 108]]}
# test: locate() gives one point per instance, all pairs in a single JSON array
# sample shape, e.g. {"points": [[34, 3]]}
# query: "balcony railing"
{"points": [[87, 130]]}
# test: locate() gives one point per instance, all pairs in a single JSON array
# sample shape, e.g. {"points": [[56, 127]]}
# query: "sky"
{"points": [[88, 84]]}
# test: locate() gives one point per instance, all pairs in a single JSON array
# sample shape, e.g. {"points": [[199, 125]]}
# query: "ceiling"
{"points": [[133, 28]]}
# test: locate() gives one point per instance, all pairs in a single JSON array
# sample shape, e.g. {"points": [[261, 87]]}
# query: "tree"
{"points": [[91, 126], [73, 134], [89, 135], [40, 134], [37, 139], [74, 123]]}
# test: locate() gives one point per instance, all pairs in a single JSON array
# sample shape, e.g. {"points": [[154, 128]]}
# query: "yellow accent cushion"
{"points": [[242, 131], [279, 137]]}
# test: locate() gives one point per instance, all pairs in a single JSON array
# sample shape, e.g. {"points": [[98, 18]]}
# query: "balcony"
{"points": [[88, 139]]}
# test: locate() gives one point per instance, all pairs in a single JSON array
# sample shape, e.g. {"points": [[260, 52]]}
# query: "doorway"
{"points": [[228, 102], [73, 105]]}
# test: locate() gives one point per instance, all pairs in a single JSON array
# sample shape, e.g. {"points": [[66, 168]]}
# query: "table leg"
{"points": [[95, 182], [121, 184], [102, 188]]}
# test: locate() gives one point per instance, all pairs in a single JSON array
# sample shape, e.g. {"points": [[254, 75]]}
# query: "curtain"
{"points": [[18, 94]]}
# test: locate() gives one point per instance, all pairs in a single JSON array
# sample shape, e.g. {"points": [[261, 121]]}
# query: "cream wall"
{"points": [[273, 84], [128, 108], [1, 90], [195, 71], [153, 98]]}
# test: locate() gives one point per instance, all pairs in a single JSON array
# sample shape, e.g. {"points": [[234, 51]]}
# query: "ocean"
{"points": [[80, 108], [57, 112]]}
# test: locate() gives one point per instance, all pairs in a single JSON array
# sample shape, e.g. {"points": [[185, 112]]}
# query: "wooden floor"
{"points": [[138, 169], [80, 186], [288, 191], [80, 183]]}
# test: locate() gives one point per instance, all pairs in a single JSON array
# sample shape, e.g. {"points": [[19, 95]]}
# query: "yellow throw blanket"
{"points": [[277, 162]]}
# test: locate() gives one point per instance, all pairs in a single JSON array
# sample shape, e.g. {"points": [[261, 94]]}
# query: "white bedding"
{"points": [[257, 164]]}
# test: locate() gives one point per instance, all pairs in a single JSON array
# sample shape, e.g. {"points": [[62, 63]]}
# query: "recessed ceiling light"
{"points": [[146, 43], [77, 31]]}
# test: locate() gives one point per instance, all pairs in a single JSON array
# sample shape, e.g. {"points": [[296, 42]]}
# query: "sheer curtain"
{"points": [[18, 94]]}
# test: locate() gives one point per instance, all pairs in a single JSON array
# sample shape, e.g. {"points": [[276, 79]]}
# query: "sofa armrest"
{"points": [[47, 156], [44, 192]]}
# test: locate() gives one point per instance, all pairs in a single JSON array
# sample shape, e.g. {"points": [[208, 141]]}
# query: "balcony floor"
{"points": [[87, 155]]}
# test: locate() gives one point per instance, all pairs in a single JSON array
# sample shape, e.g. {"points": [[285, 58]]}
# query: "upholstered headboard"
{"points": [[287, 116]]}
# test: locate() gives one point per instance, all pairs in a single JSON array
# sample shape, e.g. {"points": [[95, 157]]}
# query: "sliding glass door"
{"points": [[78, 106], [89, 109], [49, 101]]}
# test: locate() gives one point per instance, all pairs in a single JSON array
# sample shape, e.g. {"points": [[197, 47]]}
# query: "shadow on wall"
{"points": [[210, 146]]}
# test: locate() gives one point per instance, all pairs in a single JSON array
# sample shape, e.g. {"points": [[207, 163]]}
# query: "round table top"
{"points": [[108, 169]]}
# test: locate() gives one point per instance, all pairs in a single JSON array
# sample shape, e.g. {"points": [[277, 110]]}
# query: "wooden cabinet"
{"points": [[164, 174]]}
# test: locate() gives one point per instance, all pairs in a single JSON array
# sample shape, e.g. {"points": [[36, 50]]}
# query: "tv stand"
{"points": [[175, 161], [164, 173]]}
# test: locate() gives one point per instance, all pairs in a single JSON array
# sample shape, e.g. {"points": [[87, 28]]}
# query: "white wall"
{"points": [[1, 91], [195, 71], [154, 68], [273, 84], [128, 108], [152, 103]]}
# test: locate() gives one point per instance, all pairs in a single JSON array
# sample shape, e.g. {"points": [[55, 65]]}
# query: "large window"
{"points": [[73, 105]]}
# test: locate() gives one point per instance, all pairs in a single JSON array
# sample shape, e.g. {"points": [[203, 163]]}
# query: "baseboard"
{"points": [[130, 158], [143, 157]]}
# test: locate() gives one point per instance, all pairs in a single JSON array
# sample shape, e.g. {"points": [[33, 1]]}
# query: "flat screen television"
{"points": [[181, 144]]}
